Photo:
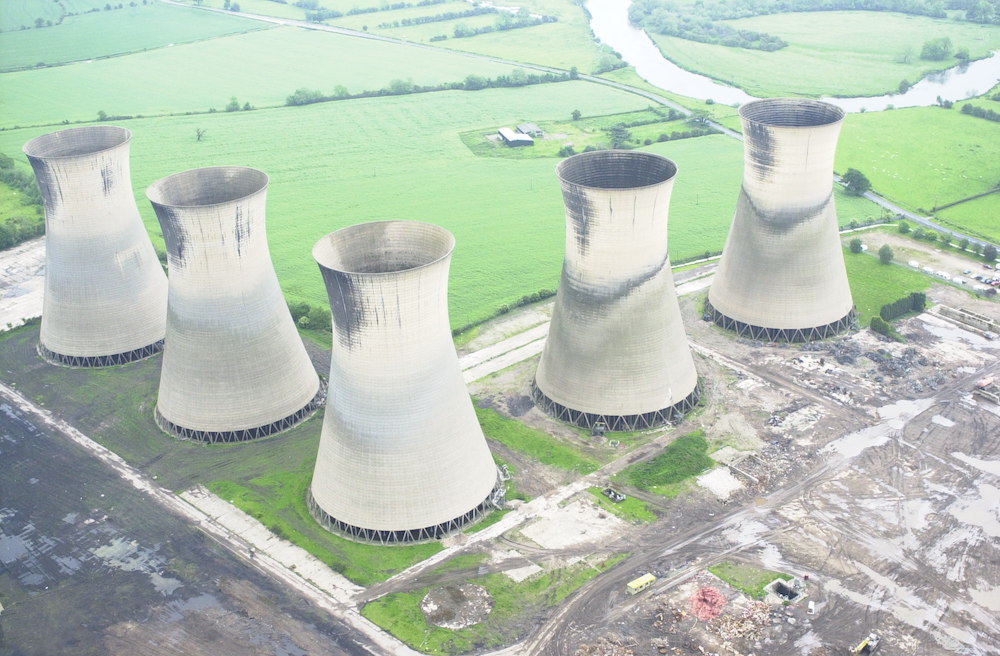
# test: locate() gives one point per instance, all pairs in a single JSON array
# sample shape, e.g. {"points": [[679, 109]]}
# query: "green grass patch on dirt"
{"points": [[844, 53], [400, 613], [278, 501], [631, 509], [747, 579], [682, 459], [542, 447]]}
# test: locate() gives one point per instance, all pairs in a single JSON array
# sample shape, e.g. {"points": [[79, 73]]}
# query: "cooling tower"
{"points": [[234, 367], [616, 354], [402, 457], [782, 274], [105, 299]]}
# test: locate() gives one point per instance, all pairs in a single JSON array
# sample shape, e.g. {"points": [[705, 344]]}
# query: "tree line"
{"points": [[517, 78], [31, 222]]}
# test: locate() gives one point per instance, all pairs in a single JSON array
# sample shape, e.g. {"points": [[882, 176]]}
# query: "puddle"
{"points": [[894, 418], [988, 466], [176, 610], [129, 556], [983, 512]]}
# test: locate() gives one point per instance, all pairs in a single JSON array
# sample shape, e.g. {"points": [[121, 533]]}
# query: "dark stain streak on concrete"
{"points": [[578, 208], [583, 294], [173, 233], [760, 147], [48, 184], [241, 229], [107, 179], [345, 305], [785, 219]]}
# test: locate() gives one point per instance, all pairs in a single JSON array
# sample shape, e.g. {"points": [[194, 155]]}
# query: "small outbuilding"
{"points": [[530, 129], [512, 138]]}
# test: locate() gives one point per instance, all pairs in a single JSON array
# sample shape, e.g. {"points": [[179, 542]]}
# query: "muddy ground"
{"points": [[89, 566]]}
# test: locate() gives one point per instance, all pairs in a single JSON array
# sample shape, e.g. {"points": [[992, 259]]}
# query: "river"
{"points": [[609, 21]]}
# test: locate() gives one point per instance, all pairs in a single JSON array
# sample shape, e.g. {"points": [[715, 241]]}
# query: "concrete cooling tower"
{"points": [[616, 354], [105, 299], [234, 367], [782, 274], [402, 457]]}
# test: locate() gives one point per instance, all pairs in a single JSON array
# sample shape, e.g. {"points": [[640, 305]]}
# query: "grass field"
{"points": [[745, 578], [981, 216], [831, 53], [107, 33], [955, 156], [401, 158], [400, 613], [19, 14], [685, 457], [874, 284], [631, 509], [536, 444], [262, 67]]}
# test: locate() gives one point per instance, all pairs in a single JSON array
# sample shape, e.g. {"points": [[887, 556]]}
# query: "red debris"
{"points": [[707, 604]]}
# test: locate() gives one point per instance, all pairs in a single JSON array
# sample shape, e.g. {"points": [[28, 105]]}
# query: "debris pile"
{"points": [[707, 604], [748, 625], [605, 646]]}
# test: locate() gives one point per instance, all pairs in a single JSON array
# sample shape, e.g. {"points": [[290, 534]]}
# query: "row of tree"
{"points": [[980, 112], [517, 78], [29, 222], [438, 18]]}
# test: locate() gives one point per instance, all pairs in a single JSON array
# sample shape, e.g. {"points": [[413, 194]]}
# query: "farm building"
{"points": [[530, 129], [512, 138]]}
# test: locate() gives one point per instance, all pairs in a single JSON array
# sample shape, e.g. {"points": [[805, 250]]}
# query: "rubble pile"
{"points": [[748, 625], [605, 646], [707, 604]]}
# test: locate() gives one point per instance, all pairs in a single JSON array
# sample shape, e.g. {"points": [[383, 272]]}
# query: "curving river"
{"points": [[609, 21]]}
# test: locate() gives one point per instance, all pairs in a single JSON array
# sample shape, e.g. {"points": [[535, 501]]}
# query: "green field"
{"points": [[923, 157], [874, 284], [107, 33], [831, 53], [246, 66]]}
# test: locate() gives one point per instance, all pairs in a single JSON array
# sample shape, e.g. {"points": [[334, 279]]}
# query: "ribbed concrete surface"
{"points": [[233, 359], [616, 344], [783, 266], [401, 447], [105, 291]]}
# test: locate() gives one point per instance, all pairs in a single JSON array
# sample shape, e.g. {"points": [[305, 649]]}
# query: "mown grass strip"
{"points": [[278, 501], [682, 459], [540, 446]]}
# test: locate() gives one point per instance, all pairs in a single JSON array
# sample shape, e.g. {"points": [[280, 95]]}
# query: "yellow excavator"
{"points": [[867, 646]]}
